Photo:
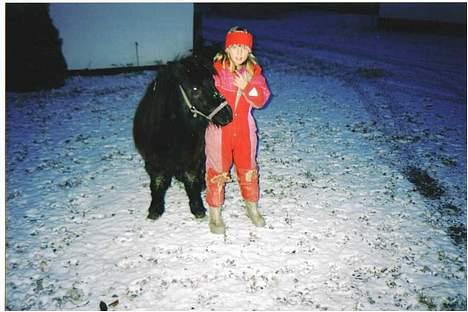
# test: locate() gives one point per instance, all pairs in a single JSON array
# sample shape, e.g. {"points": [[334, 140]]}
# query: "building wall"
{"points": [[432, 12], [103, 35]]}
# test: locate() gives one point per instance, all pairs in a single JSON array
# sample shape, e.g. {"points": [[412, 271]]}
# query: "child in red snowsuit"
{"points": [[239, 79]]}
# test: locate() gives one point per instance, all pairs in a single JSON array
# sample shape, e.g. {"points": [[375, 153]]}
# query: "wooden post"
{"points": [[137, 56]]}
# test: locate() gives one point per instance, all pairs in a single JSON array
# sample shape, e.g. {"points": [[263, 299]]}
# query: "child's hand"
{"points": [[241, 80]]}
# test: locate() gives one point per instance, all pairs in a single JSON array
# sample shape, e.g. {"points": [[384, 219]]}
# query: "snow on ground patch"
{"points": [[345, 228]]}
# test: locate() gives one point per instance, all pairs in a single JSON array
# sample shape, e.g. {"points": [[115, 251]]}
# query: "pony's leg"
{"points": [[159, 184], [193, 186]]}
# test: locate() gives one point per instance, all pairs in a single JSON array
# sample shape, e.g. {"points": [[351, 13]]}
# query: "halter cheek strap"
{"points": [[195, 111]]}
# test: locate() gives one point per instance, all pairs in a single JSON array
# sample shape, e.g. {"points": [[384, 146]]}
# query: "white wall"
{"points": [[103, 35], [439, 12]]}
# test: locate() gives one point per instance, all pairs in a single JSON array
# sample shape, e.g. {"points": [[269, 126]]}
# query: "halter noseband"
{"points": [[195, 111]]}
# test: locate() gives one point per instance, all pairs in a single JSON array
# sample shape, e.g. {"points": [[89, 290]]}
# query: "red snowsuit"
{"points": [[236, 141]]}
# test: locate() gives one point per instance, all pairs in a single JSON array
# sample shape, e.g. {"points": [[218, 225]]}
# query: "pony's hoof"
{"points": [[154, 215], [199, 214]]}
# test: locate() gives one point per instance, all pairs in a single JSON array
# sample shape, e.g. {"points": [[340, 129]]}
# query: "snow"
{"points": [[352, 109]]}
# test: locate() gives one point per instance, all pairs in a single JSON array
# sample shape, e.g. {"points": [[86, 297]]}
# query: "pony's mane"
{"points": [[198, 66]]}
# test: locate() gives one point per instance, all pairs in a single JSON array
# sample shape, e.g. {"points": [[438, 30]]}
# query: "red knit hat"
{"points": [[238, 37]]}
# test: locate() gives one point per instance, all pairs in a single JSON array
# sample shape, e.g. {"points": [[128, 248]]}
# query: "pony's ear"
{"points": [[189, 61], [179, 70]]}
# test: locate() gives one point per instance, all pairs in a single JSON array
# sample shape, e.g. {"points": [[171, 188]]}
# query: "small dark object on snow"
{"points": [[424, 183], [458, 234], [451, 209], [102, 306], [371, 73], [114, 303], [170, 136]]}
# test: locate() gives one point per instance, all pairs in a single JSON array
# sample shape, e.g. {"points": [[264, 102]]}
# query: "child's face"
{"points": [[238, 53]]}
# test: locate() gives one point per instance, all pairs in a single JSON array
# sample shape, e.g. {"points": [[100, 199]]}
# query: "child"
{"points": [[239, 79]]}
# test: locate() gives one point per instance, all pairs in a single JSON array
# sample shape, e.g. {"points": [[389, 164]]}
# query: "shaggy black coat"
{"points": [[169, 137]]}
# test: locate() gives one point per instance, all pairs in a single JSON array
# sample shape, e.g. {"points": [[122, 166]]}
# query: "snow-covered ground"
{"points": [[353, 110]]}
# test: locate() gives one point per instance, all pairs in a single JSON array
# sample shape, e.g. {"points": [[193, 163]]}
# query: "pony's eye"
{"points": [[196, 91]]}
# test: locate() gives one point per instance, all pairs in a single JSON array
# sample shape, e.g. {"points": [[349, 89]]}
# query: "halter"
{"points": [[195, 111]]}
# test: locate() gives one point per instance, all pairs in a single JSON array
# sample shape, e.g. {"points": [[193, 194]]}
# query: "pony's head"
{"points": [[197, 90]]}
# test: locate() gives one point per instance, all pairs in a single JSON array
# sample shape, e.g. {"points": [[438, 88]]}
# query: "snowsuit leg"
{"points": [[217, 167], [248, 182], [215, 184], [245, 153]]}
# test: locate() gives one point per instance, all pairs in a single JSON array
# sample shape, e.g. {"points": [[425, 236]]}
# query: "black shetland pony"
{"points": [[169, 129]]}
